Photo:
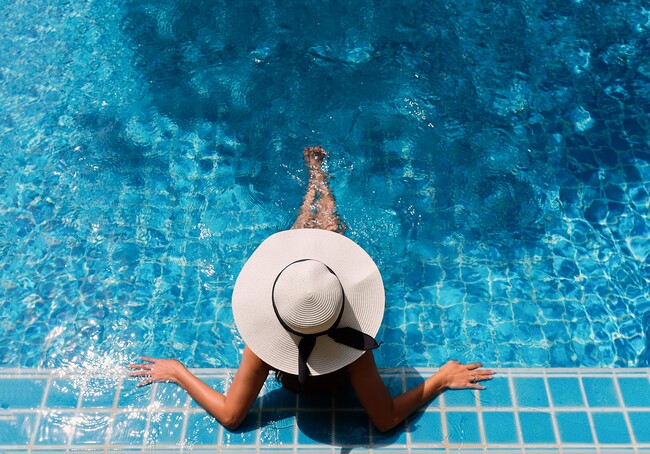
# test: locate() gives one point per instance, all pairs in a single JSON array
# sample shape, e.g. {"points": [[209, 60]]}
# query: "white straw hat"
{"points": [[310, 293]]}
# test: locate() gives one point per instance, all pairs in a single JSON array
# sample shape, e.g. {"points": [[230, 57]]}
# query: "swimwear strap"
{"points": [[346, 336]]}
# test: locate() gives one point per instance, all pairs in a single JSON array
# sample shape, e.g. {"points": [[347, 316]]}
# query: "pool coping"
{"points": [[525, 410]]}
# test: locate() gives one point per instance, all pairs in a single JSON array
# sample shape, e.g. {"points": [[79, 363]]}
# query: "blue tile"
{"points": [[640, 426], [395, 436], [600, 391], [497, 393], [129, 428], [530, 392], [610, 428], [394, 384], [279, 397], [426, 427], [170, 395], [132, 396], [315, 427], [500, 427], [536, 427], [91, 428], [17, 429], [635, 391], [574, 427], [459, 398], [277, 427], [565, 392], [165, 428], [246, 434], [55, 428], [21, 393], [63, 393], [462, 427], [99, 392], [351, 428], [202, 429]]}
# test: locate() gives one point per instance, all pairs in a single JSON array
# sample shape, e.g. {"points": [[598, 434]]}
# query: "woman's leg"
{"points": [[318, 210]]}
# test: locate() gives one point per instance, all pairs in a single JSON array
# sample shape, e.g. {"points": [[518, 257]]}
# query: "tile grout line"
{"points": [[626, 416], [39, 413], [479, 417], [220, 436], [590, 418], [114, 409], [551, 406], [77, 417], [147, 425], [186, 416], [515, 411], [443, 422]]}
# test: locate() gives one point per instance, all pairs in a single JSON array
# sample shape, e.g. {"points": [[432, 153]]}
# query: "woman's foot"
{"points": [[314, 157], [319, 206]]}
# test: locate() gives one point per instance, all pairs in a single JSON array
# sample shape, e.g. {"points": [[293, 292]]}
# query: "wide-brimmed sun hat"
{"points": [[308, 301]]}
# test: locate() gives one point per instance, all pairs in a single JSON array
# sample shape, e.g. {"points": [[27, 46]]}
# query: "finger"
{"points": [[474, 366], [148, 359], [479, 378], [472, 383], [483, 376], [146, 382], [143, 373], [139, 366], [483, 373]]}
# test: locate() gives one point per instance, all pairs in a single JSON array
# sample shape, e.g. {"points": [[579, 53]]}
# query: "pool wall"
{"points": [[523, 410]]}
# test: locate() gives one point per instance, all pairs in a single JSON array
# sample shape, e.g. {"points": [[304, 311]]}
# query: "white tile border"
{"points": [[507, 373]]}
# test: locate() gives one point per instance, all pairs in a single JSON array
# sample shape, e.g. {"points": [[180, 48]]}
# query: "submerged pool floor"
{"points": [[523, 410]]}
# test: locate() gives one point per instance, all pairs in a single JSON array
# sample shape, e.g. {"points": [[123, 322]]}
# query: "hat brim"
{"points": [[253, 309]]}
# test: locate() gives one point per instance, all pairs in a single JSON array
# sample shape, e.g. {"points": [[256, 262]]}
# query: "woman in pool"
{"points": [[307, 303]]}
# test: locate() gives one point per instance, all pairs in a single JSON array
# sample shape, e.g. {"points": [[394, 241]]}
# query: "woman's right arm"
{"points": [[385, 411], [229, 409]]}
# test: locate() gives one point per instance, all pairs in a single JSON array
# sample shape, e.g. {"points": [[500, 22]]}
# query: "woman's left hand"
{"points": [[460, 376], [157, 370]]}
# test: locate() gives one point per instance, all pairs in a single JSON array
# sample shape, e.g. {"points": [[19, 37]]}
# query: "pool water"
{"points": [[492, 157]]}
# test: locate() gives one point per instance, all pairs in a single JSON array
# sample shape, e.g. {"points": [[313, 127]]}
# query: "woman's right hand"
{"points": [[157, 370], [455, 375]]}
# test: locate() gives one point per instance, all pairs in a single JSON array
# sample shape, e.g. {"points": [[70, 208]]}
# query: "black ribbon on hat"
{"points": [[346, 335]]}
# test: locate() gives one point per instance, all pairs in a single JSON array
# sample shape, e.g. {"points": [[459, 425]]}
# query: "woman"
{"points": [[307, 303]]}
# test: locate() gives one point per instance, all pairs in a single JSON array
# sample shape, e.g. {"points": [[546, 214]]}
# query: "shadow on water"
{"points": [[492, 130], [254, 68], [109, 148], [335, 418]]}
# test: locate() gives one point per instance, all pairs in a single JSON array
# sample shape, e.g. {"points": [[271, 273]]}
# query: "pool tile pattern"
{"points": [[521, 411]]}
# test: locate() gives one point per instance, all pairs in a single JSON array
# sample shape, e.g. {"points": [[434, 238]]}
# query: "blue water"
{"points": [[492, 157]]}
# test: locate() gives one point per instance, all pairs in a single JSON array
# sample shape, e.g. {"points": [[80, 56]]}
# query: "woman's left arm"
{"points": [[385, 411], [229, 409]]}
